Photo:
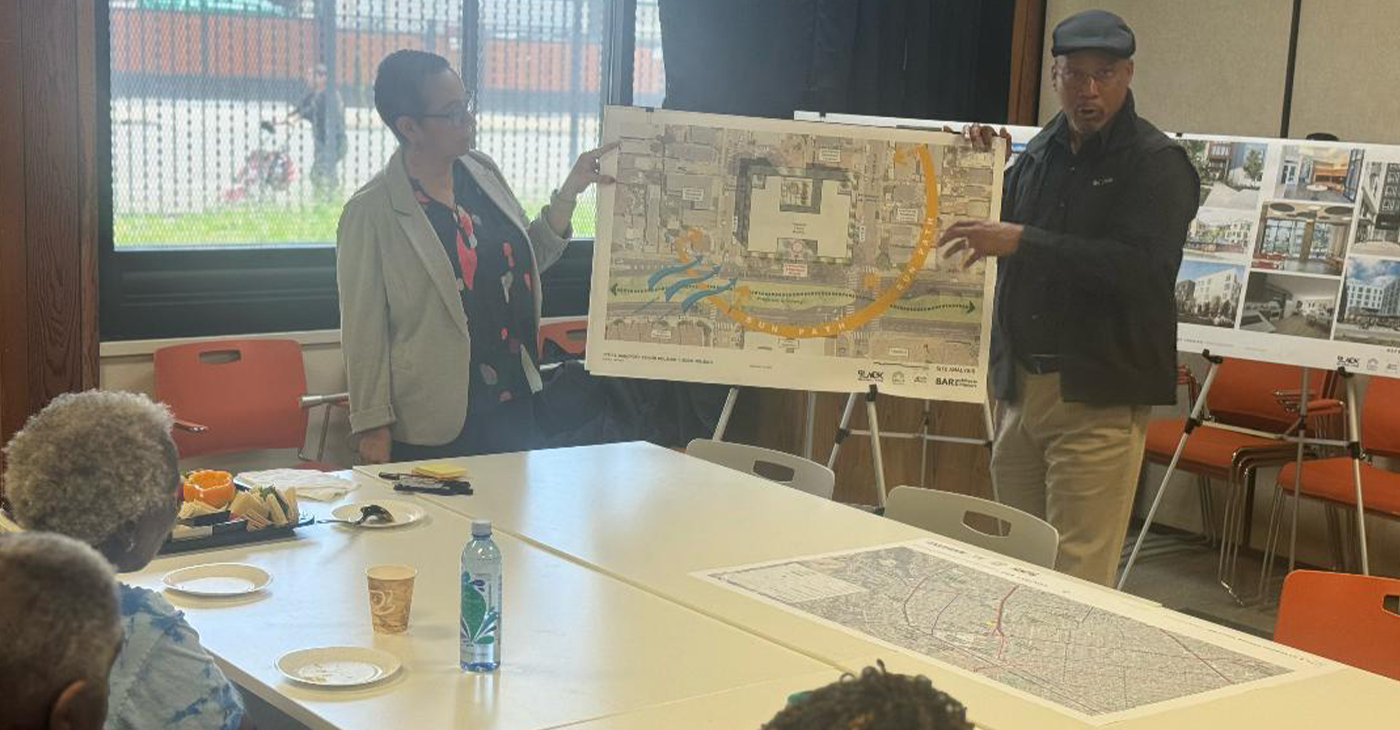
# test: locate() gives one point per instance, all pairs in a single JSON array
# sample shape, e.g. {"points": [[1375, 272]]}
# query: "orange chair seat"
{"points": [[1342, 617], [1331, 479], [1207, 448], [570, 336]]}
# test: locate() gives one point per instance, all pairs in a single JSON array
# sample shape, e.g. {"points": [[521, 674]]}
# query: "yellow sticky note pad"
{"points": [[440, 470]]}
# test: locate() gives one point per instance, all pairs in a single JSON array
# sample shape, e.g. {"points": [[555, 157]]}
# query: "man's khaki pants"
{"points": [[1075, 465]]}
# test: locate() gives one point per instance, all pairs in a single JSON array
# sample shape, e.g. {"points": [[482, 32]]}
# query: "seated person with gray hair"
{"points": [[58, 614], [101, 467]]}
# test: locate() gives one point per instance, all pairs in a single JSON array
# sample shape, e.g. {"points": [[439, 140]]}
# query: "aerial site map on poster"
{"points": [[790, 254]]}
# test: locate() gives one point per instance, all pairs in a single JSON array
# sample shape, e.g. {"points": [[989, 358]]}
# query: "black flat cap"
{"points": [[1094, 30]]}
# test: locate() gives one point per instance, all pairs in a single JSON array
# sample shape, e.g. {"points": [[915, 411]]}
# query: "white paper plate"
{"points": [[405, 513], [338, 666], [220, 580]]}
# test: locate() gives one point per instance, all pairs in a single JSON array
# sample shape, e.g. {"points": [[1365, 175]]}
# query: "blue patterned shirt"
{"points": [[163, 678]]}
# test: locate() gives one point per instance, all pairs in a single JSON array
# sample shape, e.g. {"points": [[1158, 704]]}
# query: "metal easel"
{"points": [[723, 424], [1352, 443], [873, 431], [1192, 421], [844, 430], [1236, 510], [924, 435]]}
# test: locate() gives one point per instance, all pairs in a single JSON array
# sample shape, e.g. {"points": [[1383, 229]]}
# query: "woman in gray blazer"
{"points": [[439, 275]]}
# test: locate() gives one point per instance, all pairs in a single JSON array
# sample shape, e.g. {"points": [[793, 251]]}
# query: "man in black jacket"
{"points": [[1094, 214]]}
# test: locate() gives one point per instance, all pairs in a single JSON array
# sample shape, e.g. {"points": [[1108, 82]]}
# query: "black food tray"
{"points": [[228, 534]]}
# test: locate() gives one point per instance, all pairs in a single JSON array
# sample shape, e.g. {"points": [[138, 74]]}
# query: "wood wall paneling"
{"points": [[54, 200], [85, 62], [48, 205], [1027, 32], [14, 338]]}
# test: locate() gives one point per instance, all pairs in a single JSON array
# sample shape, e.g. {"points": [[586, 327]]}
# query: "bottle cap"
{"points": [[481, 528]]}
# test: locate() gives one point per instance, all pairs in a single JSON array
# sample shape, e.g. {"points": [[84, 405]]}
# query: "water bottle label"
{"points": [[478, 621]]}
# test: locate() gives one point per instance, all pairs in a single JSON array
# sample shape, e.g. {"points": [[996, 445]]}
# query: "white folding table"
{"points": [[651, 517], [577, 644]]}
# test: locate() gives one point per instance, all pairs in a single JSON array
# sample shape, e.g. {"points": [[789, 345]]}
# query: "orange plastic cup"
{"points": [[212, 487]]}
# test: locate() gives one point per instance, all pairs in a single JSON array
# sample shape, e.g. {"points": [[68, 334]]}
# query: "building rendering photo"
{"points": [[1378, 221], [1323, 174], [1310, 238], [1230, 171], [1371, 302], [1208, 293], [1220, 233], [1288, 304]]}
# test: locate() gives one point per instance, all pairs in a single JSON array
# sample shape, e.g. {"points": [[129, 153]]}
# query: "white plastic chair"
{"points": [[775, 466], [1027, 537]]}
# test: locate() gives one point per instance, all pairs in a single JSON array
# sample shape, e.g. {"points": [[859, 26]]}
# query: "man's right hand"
{"points": [[375, 446], [981, 136]]}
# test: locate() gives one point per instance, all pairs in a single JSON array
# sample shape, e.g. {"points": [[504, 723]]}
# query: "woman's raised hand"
{"points": [[587, 171]]}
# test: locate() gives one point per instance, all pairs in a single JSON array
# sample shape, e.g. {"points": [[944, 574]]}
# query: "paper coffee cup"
{"points": [[390, 597]]}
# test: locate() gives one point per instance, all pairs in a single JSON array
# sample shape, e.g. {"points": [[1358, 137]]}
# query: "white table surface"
{"points": [[651, 516], [576, 644], [745, 708]]}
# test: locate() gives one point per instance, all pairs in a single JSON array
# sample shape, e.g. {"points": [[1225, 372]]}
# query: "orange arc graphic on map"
{"points": [[870, 311]]}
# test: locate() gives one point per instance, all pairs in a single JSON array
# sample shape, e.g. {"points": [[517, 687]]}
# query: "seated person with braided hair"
{"points": [[876, 700], [58, 614]]}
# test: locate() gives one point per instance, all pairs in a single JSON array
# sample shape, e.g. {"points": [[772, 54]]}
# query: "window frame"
{"points": [[173, 292]]}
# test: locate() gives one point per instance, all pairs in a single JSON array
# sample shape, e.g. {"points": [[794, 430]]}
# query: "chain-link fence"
{"points": [[649, 73], [249, 122]]}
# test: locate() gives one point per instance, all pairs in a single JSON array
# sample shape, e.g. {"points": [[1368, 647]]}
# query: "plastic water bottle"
{"points": [[481, 601]]}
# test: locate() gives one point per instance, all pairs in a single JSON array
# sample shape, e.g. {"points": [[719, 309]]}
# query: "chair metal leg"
{"points": [[1207, 502], [1298, 473], [1335, 543], [1266, 570], [1351, 548], [1225, 533], [1233, 537], [325, 431], [1247, 514]]}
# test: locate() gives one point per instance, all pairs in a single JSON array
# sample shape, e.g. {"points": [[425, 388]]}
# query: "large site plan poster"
{"points": [[790, 254], [1098, 656], [1294, 256]]}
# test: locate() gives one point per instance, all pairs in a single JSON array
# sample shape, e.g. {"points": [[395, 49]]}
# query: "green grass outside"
{"points": [[267, 225]]}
